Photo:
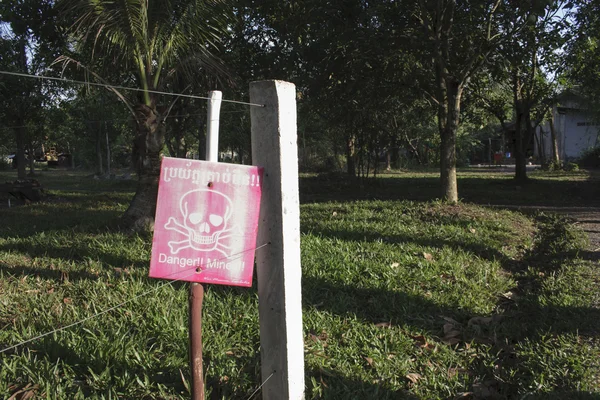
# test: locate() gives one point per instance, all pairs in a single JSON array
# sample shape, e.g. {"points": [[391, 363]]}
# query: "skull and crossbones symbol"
{"points": [[205, 214]]}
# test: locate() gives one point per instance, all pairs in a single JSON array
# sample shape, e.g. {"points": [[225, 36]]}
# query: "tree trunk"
{"points": [[99, 169], [20, 139], [448, 145], [388, 160], [148, 144], [350, 156], [541, 144], [519, 151], [31, 159], [107, 151], [555, 153]]}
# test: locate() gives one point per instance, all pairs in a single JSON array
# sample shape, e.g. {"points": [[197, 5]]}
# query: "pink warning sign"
{"points": [[206, 222]]}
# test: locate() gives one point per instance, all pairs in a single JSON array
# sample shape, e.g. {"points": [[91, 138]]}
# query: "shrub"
{"points": [[590, 158], [560, 166], [571, 166], [5, 164], [552, 166]]}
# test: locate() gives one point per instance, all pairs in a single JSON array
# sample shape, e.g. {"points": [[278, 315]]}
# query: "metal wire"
{"points": [[261, 385], [191, 96], [191, 270]]}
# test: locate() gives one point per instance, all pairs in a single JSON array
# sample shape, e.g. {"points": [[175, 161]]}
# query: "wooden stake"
{"points": [[196, 299], [197, 289]]}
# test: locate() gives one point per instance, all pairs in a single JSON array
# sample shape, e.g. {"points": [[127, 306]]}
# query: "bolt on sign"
{"points": [[206, 222]]}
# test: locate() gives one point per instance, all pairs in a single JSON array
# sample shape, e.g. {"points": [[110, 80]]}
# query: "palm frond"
{"points": [[66, 61], [153, 39]]}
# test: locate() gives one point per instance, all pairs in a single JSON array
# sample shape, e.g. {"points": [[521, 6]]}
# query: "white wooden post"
{"points": [[274, 147], [196, 297], [212, 129]]}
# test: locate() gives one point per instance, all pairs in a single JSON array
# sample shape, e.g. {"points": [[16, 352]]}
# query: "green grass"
{"points": [[403, 297]]}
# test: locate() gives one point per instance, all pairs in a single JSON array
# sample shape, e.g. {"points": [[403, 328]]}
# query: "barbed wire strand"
{"points": [[54, 78], [261, 385], [191, 270]]}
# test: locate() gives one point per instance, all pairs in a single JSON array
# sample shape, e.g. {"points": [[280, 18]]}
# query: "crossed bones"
{"points": [[216, 238]]}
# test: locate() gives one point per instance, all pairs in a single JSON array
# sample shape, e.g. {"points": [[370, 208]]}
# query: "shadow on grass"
{"points": [[566, 395], [75, 252], [107, 371], [55, 275], [376, 305], [587, 255], [529, 322], [33, 219], [499, 190], [328, 385]]}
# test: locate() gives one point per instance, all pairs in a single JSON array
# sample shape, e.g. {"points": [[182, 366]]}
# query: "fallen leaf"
{"points": [[384, 325], [480, 321], [422, 342], [323, 382], [464, 395], [185, 383], [472, 230], [313, 337], [229, 353], [67, 300], [451, 334], [447, 277], [428, 256], [451, 341], [485, 390], [453, 321], [25, 393], [369, 361], [448, 327], [395, 265], [508, 295], [413, 377]]}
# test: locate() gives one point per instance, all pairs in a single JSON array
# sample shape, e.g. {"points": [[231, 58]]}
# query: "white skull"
{"points": [[205, 215]]}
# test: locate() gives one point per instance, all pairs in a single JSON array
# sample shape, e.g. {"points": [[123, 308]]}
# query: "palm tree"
{"points": [[154, 43]]}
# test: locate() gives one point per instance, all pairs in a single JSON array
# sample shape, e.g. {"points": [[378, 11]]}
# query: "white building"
{"points": [[577, 129]]}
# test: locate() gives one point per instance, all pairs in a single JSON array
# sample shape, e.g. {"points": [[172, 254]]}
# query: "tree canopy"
{"points": [[379, 83]]}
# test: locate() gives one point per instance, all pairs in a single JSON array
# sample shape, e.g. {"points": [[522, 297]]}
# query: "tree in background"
{"points": [[29, 42], [583, 52], [154, 43], [455, 41], [530, 54]]}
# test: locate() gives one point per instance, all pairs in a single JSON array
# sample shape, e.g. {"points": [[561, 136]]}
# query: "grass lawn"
{"points": [[404, 297]]}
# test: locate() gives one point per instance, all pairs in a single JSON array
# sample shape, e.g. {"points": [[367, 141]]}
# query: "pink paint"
{"points": [[206, 222]]}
